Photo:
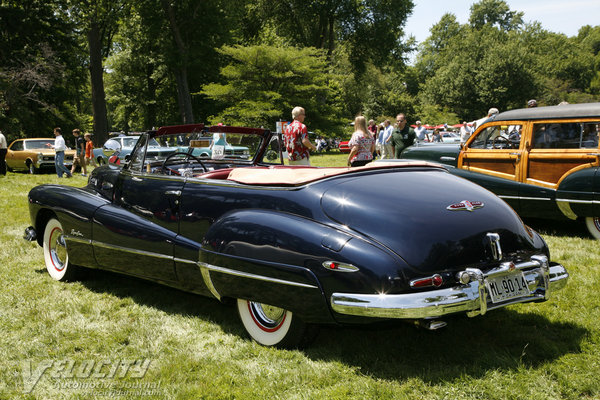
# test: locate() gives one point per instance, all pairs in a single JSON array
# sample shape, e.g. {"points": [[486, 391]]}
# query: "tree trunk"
{"points": [[97, 82], [183, 91]]}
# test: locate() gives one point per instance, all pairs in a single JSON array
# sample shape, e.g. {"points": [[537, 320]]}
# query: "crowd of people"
{"points": [[371, 140], [83, 152], [368, 140]]}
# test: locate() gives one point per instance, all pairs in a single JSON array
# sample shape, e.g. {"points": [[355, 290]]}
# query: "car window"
{"points": [[17, 146], [567, 135], [498, 137], [128, 142], [38, 144]]}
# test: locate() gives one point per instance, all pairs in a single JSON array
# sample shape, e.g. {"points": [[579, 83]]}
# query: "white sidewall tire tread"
{"points": [[593, 226], [258, 334], [56, 274]]}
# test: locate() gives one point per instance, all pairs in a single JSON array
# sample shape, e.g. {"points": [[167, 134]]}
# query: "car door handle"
{"points": [[516, 154], [173, 193]]}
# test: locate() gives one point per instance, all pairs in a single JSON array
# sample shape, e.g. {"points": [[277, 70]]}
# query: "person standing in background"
{"points": [[387, 149], [59, 159], [373, 129], [465, 132], [296, 139], [79, 158], [89, 149], [362, 144], [3, 150], [403, 135], [421, 133]]}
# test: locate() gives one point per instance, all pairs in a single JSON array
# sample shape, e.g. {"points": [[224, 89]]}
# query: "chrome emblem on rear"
{"points": [[465, 205]]}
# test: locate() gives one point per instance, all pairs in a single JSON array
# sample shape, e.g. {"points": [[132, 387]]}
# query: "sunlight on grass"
{"points": [[198, 348]]}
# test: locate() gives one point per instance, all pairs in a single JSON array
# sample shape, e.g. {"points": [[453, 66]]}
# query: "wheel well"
{"points": [[41, 220]]}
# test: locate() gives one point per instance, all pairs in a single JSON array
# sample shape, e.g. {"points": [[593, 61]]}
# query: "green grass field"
{"points": [[80, 338]]}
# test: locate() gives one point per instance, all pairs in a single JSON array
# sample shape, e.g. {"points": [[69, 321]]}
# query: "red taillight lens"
{"points": [[435, 280]]}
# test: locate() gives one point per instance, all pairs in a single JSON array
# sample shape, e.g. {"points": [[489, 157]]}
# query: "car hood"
{"points": [[408, 213]]}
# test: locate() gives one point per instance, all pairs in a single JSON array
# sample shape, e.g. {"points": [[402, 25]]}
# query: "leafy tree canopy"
{"points": [[263, 83]]}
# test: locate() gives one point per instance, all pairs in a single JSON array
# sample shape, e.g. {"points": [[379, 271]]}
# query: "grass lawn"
{"points": [[116, 337]]}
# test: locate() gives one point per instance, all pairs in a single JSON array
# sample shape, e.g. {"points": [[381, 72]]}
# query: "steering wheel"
{"points": [[503, 143], [186, 159]]}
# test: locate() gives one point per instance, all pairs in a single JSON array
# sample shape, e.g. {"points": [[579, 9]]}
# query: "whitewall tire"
{"points": [[56, 255], [271, 326], [593, 226]]}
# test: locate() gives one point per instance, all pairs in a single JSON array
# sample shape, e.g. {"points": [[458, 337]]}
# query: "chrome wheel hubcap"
{"points": [[58, 249]]}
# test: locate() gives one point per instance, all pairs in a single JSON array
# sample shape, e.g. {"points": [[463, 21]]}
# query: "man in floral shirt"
{"points": [[296, 139]]}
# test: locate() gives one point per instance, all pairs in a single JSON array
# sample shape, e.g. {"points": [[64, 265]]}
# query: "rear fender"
{"points": [[277, 258], [577, 193]]}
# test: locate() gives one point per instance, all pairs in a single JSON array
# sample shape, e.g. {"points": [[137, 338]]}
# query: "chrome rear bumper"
{"points": [[471, 298]]}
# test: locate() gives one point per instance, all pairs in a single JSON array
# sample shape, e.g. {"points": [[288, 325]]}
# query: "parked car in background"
{"points": [[34, 155], [450, 137], [126, 145], [202, 145], [542, 161], [294, 246]]}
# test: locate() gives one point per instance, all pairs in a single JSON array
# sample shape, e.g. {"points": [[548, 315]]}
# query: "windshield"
{"points": [[205, 149]]}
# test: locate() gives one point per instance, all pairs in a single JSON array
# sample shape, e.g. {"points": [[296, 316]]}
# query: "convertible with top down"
{"points": [[295, 246]]}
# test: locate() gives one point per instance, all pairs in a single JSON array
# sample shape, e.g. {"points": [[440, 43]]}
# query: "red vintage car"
{"points": [[344, 148]]}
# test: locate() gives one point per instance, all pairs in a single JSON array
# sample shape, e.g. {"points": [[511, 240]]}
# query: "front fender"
{"points": [[74, 208]]}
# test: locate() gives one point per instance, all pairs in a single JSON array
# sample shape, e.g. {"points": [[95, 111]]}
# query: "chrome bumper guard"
{"points": [[472, 298], [30, 234]]}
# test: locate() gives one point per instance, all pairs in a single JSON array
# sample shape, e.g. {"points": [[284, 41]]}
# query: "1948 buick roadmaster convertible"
{"points": [[543, 161], [296, 247]]}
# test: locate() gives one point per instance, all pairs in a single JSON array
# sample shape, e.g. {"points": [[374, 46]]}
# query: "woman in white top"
{"points": [[361, 144]]}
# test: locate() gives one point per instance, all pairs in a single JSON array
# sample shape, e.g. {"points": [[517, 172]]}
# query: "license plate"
{"points": [[507, 287]]}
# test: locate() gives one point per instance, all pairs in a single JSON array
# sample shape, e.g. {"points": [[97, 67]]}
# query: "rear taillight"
{"points": [[434, 280]]}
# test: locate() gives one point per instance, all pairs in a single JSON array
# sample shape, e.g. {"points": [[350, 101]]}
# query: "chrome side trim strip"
{"points": [[70, 238], [579, 201], [523, 198], [214, 268], [132, 251], [185, 261]]}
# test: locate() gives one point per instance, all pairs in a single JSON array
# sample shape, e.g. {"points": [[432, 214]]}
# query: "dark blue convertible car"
{"points": [[299, 246]]}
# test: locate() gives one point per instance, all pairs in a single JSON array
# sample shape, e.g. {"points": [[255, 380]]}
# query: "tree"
{"points": [[495, 13], [263, 83], [40, 76], [372, 29], [98, 21]]}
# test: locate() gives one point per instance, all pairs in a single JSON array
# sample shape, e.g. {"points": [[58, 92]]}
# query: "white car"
{"points": [[450, 137]]}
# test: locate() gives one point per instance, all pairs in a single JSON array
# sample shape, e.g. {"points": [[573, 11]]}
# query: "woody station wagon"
{"points": [[542, 161]]}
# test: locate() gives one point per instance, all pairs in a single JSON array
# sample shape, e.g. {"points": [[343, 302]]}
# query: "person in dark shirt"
{"points": [[403, 136], [79, 158]]}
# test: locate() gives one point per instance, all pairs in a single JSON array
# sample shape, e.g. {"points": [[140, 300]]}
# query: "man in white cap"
{"points": [[491, 112], [421, 132]]}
